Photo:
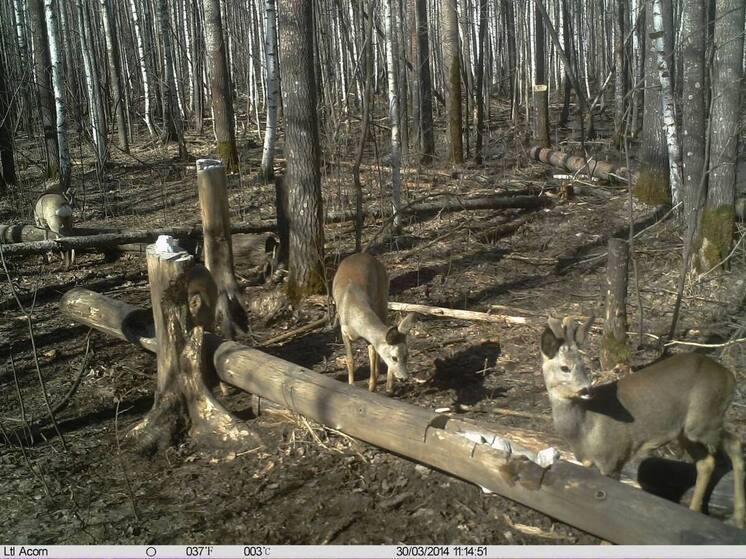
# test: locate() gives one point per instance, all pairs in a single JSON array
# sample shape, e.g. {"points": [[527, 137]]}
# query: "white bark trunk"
{"points": [[55, 54], [391, 53], [142, 61], [270, 132], [667, 102], [91, 78]]}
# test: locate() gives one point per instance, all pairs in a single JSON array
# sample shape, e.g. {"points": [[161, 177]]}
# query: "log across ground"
{"points": [[308, 483]]}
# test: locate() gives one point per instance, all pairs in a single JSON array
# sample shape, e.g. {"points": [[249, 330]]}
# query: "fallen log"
{"points": [[452, 204], [573, 163], [27, 242], [458, 313], [573, 494]]}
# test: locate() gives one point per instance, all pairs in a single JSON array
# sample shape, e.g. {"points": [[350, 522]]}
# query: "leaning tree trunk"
{"points": [[393, 78], [270, 132], [718, 218], [172, 129], [42, 67], [653, 180], [142, 62], [302, 175], [693, 113], [452, 65], [7, 164], [220, 84], [115, 73]]}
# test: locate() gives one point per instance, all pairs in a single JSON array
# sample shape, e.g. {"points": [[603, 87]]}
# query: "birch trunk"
{"points": [[172, 130], [667, 100], [55, 55], [393, 77], [115, 73], [142, 62], [270, 132]]}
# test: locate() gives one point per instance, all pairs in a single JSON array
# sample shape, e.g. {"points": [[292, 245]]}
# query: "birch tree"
{"points": [[718, 217], [55, 56], [42, 65], [115, 73], [220, 85], [393, 89], [142, 63], [95, 107], [270, 132], [302, 179], [172, 129]]}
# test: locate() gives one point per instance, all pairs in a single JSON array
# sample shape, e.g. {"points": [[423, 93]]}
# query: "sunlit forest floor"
{"points": [[311, 484]]}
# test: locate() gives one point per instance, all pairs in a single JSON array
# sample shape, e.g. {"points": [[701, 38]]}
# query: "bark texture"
{"points": [[302, 176], [452, 63], [425, 83]]}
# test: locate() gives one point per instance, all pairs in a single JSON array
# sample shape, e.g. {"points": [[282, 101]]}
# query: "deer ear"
{"points": [[570, 325], [550, 343], [582, 334], [555, 325], [394, 337], [406, 323]]}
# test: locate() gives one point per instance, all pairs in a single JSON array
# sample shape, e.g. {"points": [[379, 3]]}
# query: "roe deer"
{"points": [[53, 212], [360, 290], [682, 398]]}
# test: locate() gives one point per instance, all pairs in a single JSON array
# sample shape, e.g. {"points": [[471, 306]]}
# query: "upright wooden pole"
{"points": [[541, 116], [213, 201]]}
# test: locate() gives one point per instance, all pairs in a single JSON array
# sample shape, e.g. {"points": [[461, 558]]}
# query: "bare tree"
{"points": [[620, 73], [115, 73], [452, 64], [55, 55], [718, 217], [172, 129], [142, 61], [42, 67], [302, 178], [423, 74], [479, 79], [270, 132], [7, 164], [220, 85], [393, 79], [96, 110]]}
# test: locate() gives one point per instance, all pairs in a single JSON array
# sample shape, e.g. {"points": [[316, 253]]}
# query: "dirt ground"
{"points": [[310, 484]]}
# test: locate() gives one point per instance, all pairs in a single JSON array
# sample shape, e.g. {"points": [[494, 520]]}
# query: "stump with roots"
{"points": [[213, 199], [183, 402]]}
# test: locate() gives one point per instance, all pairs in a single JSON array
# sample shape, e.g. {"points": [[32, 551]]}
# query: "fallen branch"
{"points": [[27, 239], [458, 313], [293, 333]]}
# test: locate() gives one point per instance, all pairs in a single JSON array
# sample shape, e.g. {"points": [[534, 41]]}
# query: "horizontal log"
{"points": [[458, 313], [573, 494], [598, 169], [106, 239]]}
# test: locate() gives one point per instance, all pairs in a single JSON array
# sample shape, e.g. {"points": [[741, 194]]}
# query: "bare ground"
{"points": [[310, 484]]}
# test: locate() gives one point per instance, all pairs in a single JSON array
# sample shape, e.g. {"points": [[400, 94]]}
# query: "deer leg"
{"points": [[373, 359], [732, 447], [705, 466], [349, 359], [390, 381]]}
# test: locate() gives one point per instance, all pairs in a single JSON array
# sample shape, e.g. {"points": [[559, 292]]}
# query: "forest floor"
{"points": [[310, 484]]}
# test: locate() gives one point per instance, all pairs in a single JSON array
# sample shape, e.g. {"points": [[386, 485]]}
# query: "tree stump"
{"points": [[230, 314], [182, 402], [614, 349], [541, 116]]}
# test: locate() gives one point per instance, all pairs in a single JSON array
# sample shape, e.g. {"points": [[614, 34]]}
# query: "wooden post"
{"points": [[571, 493], [541, 116], [182, 398], [614, 349], [213, 201]]}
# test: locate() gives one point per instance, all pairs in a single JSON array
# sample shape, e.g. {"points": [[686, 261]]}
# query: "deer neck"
{"points": [[364, 322], [569, 416]]}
